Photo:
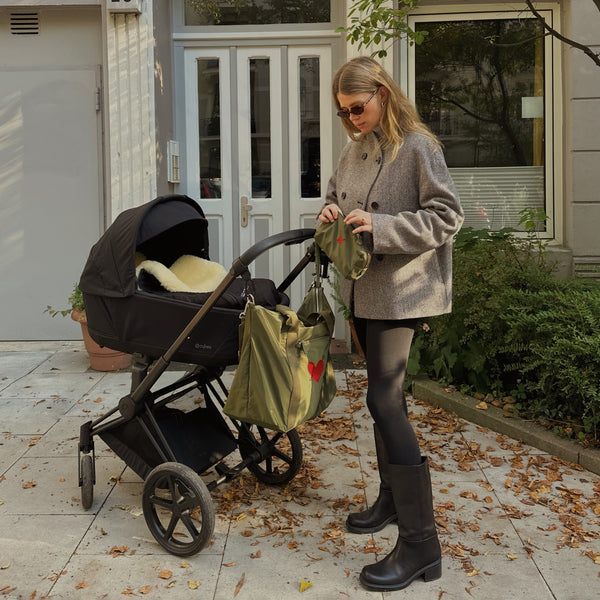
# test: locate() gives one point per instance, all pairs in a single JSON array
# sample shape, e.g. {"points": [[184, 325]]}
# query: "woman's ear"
{"points": [[383, 93]]}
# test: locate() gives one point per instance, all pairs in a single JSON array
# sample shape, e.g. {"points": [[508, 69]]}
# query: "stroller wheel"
{"points": [[282, 452], [178, 509], [87, 481]]}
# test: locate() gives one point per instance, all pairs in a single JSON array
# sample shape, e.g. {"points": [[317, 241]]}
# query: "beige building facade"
{"points": [[105, 104]]}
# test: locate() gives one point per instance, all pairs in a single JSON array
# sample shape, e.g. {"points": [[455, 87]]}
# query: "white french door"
{"points": [[258, 149]]}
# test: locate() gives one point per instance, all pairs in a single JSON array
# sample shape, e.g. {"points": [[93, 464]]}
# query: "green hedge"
{"points": [[516, 330]]}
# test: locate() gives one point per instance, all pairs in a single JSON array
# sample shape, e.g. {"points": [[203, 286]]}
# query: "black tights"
{"points": [[387, 345]]}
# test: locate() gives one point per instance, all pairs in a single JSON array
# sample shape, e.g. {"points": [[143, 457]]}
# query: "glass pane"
{"points": [[256, 12], [480, 88], [260, 127], [209, 120], [310, 128]]}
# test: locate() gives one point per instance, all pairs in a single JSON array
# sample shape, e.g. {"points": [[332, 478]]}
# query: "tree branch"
{"points": [[595, 57]]}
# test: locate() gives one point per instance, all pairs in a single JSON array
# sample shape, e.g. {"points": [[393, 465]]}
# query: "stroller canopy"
{"points": [[162, 230]]}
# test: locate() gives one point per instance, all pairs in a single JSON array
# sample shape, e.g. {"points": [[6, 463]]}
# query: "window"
{"points": [[256, 12], [482, 83]]}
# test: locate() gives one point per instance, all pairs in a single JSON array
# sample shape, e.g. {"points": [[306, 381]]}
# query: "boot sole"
{"points": [[374, 529], [428, 573]]}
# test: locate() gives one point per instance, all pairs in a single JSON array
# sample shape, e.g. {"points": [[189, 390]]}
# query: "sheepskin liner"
{"points": [[187, 274]]}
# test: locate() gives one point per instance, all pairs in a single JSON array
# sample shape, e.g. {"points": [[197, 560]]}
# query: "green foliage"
{"points": [[517, 330], [75, 303], [376, 21]]}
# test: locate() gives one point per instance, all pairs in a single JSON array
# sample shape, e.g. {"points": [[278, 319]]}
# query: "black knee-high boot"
{"points": [[417, 552], [383, 510]]}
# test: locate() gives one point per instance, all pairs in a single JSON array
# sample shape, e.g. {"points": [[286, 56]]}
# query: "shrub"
{"points": [[516, 330]]}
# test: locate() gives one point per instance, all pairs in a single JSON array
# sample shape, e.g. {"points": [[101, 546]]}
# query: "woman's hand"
{"points": [[329, 214], [360, 218]]}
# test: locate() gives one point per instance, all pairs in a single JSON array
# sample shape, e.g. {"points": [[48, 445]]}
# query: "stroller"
{"points": [[168, 447]]}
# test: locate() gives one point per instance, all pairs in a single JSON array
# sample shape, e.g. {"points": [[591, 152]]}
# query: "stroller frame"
{"points": [[177, 505]]}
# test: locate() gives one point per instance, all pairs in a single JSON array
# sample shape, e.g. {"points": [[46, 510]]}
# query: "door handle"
{"points": [[245, 209]]}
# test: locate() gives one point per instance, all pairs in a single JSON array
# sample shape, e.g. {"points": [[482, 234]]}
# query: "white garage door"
{"points": [[50, 192]]}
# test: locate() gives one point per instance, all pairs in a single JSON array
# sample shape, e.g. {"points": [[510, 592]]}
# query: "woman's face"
{"points": [[371, 103]]}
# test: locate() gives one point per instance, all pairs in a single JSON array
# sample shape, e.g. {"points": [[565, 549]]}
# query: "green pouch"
{"points": [[345, 249], [284, 376]]}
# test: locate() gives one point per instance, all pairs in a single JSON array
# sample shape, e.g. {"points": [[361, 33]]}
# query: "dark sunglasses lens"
{"points": [[355, 110]]}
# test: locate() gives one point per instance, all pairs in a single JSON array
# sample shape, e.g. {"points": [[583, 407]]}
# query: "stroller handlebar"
{"points": [[294, 236]]}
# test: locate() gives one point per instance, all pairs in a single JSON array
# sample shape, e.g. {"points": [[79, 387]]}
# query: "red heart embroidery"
{"points": [[316, 370], [340, 239]]}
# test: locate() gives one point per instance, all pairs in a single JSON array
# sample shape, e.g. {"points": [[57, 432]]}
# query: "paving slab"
{"points": [[49, 486], [146, 576], [12, 448], [34, 549], [32, 416]]}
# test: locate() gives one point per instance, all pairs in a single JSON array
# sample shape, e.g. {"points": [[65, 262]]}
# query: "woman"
{"points": [[392, 184]]}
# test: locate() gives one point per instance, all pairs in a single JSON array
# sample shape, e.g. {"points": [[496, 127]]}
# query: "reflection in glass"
{"points": [[256, 12], [260, 127], [310, 127], [480, 88], [209, 120]]}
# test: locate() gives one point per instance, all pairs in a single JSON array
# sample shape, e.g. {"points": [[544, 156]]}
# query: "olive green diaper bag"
{"points": [[284, 376]]}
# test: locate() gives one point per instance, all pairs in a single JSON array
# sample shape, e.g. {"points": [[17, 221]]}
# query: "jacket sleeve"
{"points": [[435, 222]]}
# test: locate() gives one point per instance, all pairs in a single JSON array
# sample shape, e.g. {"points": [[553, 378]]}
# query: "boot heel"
{"points": [[434, 572]]}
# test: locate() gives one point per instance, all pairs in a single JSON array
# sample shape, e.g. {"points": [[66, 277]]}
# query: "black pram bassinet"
{"points": [[169, 445], [133, 315]]}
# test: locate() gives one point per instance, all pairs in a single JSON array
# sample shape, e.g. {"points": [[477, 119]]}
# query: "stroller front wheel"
{"points": [[178, 509], [282, 452], [87, 481]]}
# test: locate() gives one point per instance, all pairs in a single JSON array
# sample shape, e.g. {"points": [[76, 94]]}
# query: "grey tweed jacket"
{"points": [[415, 211]]}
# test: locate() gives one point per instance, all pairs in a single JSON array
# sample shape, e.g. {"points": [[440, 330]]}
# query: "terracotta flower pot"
{"points": [[101, 358]]}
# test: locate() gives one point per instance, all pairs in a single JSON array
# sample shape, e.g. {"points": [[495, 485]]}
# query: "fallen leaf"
{"points": [[304, 585], [118, 550], [145, 589], [81, 585], [193, 585], [239, 585], [29, 484], [231, 564], [512, 556], [482, 405], [165, 574], [185, 565]]}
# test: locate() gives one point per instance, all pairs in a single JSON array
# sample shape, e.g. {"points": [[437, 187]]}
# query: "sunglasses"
{"points": [[345, 113]]}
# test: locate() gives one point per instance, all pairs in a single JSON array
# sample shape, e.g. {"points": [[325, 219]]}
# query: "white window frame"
{"points": [[552, 89]]}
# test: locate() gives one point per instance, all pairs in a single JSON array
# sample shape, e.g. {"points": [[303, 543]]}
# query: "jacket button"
{"points": [[375, 205], [379, 256], [364, 156], [343, 195]]}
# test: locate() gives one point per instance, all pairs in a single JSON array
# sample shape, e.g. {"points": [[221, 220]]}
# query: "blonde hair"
{"points": [[399, 117]]}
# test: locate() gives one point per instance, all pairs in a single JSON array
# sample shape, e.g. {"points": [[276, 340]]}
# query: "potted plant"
{"points": [[101, 358]]}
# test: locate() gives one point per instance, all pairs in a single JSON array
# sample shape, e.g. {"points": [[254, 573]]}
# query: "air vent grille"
{"points": [[25, 23]]}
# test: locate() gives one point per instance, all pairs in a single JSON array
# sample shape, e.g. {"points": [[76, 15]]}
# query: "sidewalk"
{"points": [[514, 521]]}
